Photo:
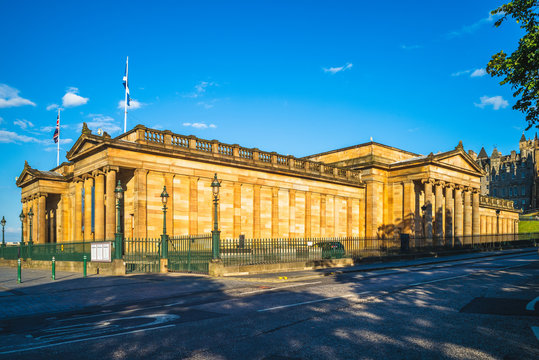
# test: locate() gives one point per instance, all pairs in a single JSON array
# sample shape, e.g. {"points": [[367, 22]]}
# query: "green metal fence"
{"points": [[142, 255], [73, 251], [191, 253], [281, 250]]}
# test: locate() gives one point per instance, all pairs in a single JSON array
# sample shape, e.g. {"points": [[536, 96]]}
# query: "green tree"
{"points": [[521, 68]]}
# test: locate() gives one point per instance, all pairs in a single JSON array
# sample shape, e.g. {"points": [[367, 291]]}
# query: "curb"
{"points": [[333, 272]]}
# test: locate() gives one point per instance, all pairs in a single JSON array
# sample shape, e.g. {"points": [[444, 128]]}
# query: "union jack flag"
{"points": [[57, 130]]}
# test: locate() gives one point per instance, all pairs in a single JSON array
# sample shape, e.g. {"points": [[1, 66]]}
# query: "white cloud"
{"points": [[62, 143], [104, 122], [463, 72], [200, 125], [133, 104], [410, 47], [200, 89], [9, 97], [334, 70], [72, 99], [51, 128], [469, 29], [479, 73], [23, 124], [497, 102], [52, 107], [13, 137]]}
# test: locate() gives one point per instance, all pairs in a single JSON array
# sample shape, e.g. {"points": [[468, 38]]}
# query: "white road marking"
{"points": [[531, 304], [535, 330], [433, 281], [280, 287], [306, 302], [87, 339], [176, 303], [110, 313]]}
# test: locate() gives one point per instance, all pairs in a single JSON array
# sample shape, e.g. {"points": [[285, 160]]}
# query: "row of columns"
{"points": [[37, 203], [461, 204]]}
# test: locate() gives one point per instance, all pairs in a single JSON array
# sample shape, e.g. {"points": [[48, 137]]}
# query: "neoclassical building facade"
{"points": [[369, 190]]}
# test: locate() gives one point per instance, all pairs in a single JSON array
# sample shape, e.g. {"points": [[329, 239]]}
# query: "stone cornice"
{"points": [[166, 143]]}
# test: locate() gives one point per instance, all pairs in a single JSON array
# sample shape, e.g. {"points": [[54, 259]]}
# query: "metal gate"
{"points": [[190, 253], [142, 255]]}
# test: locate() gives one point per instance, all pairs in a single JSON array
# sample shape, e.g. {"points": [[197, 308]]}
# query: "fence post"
{"points": [[53, 268], [84, 266], [18, 270]]}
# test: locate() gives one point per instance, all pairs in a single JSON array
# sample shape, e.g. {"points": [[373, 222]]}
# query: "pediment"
{"points": [[458, 159], [25, 177], [83, 144]]}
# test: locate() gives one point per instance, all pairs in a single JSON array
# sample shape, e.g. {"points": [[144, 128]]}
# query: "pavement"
{"points": [[39, 294]]}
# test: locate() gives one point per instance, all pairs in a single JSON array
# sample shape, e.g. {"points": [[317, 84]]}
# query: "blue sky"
{"points": [[296, 77]]}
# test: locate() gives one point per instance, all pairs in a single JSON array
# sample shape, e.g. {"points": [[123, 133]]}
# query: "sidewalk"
{"points": [[39, 294], [365, 267]]}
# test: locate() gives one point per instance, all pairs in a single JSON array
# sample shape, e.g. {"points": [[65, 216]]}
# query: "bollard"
{"points": [[84, 266], [19, 271], [53, 268]]}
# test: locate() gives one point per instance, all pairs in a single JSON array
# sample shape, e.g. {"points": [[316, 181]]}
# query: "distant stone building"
{"points": [[512, 176]]}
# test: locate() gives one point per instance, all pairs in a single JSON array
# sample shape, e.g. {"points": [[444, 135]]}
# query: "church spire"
{"points": [[522, 138]]}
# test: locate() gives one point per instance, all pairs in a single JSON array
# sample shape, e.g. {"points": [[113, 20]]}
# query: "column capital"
{"points": [[77, 179], [86, 176], [98, 172], [111, 168], [475, 191], [40, 194], [439, 183], [427, 181], [450, 186]]}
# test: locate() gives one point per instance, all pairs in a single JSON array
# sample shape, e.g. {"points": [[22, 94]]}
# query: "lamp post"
{"points": [[30, 216], [118, 192], [21, 216], [215, 234], [3, 222], [423, 230], [164, 237]]}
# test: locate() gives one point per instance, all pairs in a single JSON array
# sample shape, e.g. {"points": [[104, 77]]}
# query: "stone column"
{"points": [[237, 209], [41, 219], [140, 207], [292, 213], [322, 215], [459, 230], [99, 191], [467, 216], [439, 212], [483, 225], [449, 213], [77, 212], [35, 219], [88, 184], [307, 214], [408, 209], [25, 221], [169, 183], [110, 223], [193, 205], [274, 212], [256, 211], [428, 211], [476, 225]]}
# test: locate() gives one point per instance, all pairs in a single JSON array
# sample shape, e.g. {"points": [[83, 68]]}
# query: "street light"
{"points": [[30, 216], [215, 234], [21, 216], [3, 222], [164, 238], [118, 192], [497, 224]]}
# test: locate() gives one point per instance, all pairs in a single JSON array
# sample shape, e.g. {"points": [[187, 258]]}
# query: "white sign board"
{"points": [[101, 251]]}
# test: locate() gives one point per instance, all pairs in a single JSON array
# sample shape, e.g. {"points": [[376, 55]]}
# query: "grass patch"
{"points": [[528, 226]]}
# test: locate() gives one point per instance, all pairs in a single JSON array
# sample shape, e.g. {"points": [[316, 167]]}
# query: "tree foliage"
{"points": [[521, 68]]}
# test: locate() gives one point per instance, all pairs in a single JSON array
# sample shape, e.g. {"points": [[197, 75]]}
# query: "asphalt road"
{"points": [[473, 309]]}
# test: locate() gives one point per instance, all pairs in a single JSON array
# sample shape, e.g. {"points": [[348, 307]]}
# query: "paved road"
{"points": [[469, 309]]}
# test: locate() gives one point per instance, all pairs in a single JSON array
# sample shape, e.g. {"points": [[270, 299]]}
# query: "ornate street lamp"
{"points": [[215, 234], [118, 192], [164, 237], [30, 216], [21, 216], [3, 222]]}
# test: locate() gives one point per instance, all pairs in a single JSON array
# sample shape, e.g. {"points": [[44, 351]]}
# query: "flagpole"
{"points": [[125, 101], [58, 143]]}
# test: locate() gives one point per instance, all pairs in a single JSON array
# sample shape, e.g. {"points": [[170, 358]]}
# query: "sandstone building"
{"points": [[512, 176], [369, 190]]}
